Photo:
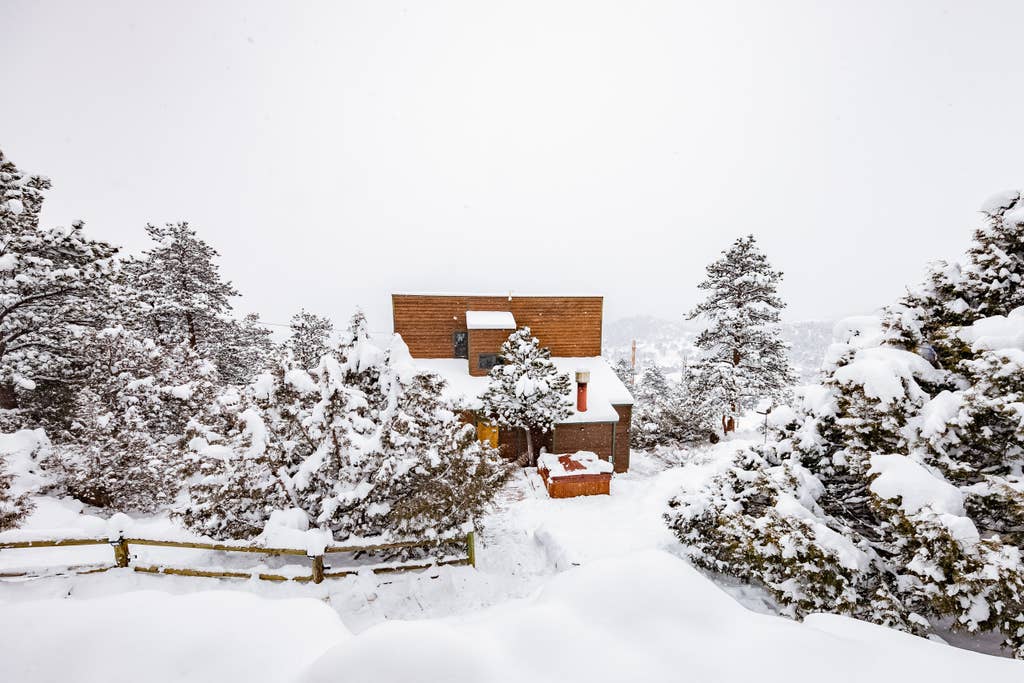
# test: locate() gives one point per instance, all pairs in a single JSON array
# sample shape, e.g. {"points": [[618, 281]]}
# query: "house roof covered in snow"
{"points": [[490, 320], [604, 391]]}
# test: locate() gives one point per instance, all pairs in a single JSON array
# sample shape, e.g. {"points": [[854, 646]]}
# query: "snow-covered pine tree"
{"points": [[759, 519], [310, 338], [358, 444], [695, 410], [954, 296], [743, 352], [52, 283], [668, 412], [907, 457], [181, 295], [924, 318], [650, 411], [526, 390], [130, 421], [994, 274], [245, 450], [244, 349], [430, 473], [624, 371]]}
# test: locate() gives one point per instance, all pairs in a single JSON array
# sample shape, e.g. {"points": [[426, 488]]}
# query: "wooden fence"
{"points": [[318, 571]]}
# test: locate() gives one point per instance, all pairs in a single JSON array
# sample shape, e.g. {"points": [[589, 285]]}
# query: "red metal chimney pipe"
{"points": [[582, 380]]}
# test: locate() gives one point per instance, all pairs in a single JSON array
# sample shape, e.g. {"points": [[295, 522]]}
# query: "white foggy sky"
{"points": [[336, 152]]}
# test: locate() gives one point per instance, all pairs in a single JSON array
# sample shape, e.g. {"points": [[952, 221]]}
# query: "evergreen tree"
{"points": [[897, 481], [624, 372], [743, 353], [130, 421], [526, 391], [672, 413], [244, 349], [180, 292], [52, 283], [356, 444], [652, 409], [994, 274], [924, 320], [310, 335], [430, 468]]}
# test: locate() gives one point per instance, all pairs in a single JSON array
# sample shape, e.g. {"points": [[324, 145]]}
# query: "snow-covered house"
{"points": [[459, 336]]}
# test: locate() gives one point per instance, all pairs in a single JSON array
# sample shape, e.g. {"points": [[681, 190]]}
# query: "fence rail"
{"points": [[318, 571]]}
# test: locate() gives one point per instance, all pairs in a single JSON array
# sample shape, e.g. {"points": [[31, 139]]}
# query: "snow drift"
{"points": [[648, 616]]}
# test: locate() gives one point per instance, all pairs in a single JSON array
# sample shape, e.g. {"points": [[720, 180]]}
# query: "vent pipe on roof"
{"points": [[582, 380]]}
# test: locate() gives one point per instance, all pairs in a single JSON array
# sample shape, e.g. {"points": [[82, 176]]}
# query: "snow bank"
{"points": [[290, 529], [148, 636], [647, 616]]}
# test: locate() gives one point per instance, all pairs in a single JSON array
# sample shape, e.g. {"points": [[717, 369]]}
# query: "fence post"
{"points": [[318, 568], [471, 548], [120, 552]]}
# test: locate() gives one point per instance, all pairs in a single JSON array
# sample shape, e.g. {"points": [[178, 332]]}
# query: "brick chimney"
{"points": [[582, 380]]}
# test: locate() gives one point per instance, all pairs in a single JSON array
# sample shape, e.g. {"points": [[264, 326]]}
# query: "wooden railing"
{"points": [[318, 571]]}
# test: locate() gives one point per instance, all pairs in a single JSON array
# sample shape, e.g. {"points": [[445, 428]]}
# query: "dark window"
{"points": [[460, 344], [486, 361]]}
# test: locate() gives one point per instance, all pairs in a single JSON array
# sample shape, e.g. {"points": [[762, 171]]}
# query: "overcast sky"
{"points": [[336, 152]]}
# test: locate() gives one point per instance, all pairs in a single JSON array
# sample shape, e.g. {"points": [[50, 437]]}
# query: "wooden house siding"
{"points": [[484, 341], [622, 437], [568, 325], [596, 437]]}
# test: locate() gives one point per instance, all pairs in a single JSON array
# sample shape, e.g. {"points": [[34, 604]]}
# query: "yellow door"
{"points": [[487, 433]]}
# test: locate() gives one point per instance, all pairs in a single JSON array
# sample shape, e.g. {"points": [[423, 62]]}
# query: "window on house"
{"points": [[460, 344], [486, 361]]}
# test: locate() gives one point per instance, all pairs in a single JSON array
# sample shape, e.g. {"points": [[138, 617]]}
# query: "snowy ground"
{"points": [[564, 590]]}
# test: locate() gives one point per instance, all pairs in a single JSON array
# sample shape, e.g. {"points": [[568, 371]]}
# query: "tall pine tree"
{"points": [[182, 297], [52, 285], [744, 356]]}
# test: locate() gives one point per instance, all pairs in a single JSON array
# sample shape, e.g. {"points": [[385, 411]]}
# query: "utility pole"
{"points": [[632, 367]]}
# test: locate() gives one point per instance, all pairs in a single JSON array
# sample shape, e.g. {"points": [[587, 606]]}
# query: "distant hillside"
{"points": [[670, 343]]}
